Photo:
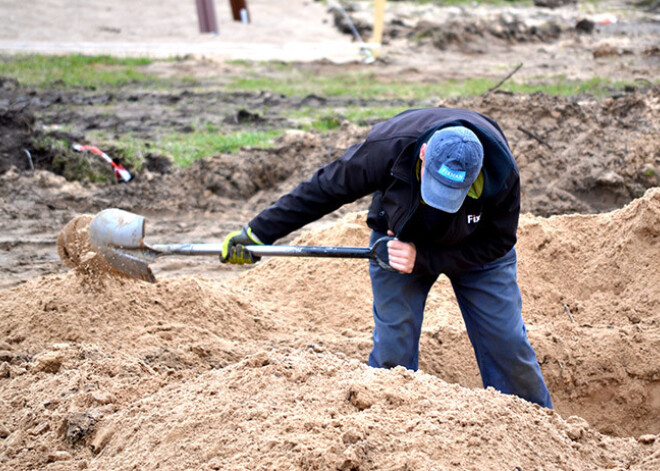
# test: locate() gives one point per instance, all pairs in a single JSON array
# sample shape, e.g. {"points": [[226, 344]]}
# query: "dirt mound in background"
{"points": [[578, 154], [575, 155], [607, 264], [478, 36], [464, 31]]}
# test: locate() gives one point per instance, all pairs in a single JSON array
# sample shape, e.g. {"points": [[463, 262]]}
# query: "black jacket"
{"points": [[483, 230]]}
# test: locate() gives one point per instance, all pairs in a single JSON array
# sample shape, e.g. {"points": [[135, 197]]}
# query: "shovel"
{"points": [[118, 236]]}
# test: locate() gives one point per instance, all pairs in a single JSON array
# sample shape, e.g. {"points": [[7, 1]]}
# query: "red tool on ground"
{"points": [[121, 174]]}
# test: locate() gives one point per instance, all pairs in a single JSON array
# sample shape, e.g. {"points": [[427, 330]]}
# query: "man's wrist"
{"points": [[252, 236]]}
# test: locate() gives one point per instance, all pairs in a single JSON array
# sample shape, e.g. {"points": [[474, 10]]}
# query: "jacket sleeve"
{"points": [[494, 239], [359, 172]]}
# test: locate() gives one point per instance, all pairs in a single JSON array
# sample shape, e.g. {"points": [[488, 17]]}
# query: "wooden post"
{"points": [[206, 16], [379, 19], [239, 10]]}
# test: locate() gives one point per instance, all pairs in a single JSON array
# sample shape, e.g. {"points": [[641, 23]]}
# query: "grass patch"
{"points": [[72, 165], [360, 85], [184, 148], [367, 85], [74, 70]]}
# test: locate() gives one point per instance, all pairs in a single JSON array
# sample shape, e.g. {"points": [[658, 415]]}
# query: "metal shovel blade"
{"points": [[118, 236]]}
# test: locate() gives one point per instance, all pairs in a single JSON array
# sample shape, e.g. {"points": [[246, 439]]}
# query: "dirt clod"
{"points": [[77, 252]]}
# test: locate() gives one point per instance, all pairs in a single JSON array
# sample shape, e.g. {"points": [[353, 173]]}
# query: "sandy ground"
{"points": [[218, 367], [162, 28], [304, 30]]}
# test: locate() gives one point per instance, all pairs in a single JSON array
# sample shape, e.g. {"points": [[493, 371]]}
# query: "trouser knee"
{"points": [[394, 348]]}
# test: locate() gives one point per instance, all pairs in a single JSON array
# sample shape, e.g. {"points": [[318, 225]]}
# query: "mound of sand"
{"points": [[316, 411], [603, 267], [124, 373]]}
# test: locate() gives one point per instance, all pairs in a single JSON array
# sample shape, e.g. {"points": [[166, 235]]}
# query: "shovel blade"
{"points": [[118, 236]]}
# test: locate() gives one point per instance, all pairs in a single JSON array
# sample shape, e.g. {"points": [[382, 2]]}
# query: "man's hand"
{"points": [[401, 255], [233, 248]]}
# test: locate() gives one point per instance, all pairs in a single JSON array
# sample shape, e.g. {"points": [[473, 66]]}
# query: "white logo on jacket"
{"points": [[473, 218]]}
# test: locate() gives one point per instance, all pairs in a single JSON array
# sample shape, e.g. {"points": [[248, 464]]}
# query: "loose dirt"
{"points": [[76, 251], [113, 374], [219, 367]]}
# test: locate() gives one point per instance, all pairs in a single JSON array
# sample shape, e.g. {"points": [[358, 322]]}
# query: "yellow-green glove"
{"points": [[233, 248]]}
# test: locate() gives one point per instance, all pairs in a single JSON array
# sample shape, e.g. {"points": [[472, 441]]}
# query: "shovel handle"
{"points": [[264, 250], [377, 252], [308, 251]]}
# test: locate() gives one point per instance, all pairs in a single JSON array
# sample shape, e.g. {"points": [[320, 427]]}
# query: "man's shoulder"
{"points": [[410, 123]]}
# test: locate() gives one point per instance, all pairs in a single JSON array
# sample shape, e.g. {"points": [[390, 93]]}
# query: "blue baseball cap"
{"points": [[452, 163]]}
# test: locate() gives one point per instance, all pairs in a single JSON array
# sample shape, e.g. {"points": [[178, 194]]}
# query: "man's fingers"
{"points": [[399, 248], [402, 267], [399, 251], [401, 255]]}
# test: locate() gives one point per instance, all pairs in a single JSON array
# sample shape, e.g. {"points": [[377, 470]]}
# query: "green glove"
{"points": [[233, 248]]}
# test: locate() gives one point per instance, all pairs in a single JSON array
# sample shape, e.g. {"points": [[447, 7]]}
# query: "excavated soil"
{"points": [[267, 371], [264, 367]]}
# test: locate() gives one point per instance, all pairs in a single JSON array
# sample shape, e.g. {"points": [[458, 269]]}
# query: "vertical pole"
{"points": [[206, 16], [379, 19], [239, 10]]}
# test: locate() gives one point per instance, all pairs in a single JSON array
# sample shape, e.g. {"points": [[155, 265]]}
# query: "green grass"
{"points": [[185, 148], [368, 85], [361, 84], [74, 70]]}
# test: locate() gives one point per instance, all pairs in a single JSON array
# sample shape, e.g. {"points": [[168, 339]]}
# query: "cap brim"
{"points": [[443, 197]]}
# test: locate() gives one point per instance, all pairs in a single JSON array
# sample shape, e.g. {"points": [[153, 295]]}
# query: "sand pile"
{"points": [[603, 267], [316, 411], [590, 301], [122, 373]]}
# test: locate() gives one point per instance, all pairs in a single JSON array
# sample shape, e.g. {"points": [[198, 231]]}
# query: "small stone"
{"points": [[49, 362], [647, 439], [6, 356], [576, 427], [59, 456], [40, 429], [4, 431], [5, 370], [101, 439], [102, 397]]}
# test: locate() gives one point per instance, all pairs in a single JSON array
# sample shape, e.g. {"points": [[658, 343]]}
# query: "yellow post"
{"points": [[379, 18]]}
